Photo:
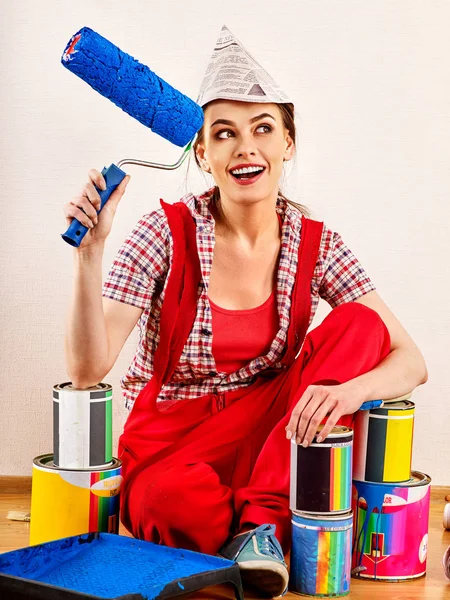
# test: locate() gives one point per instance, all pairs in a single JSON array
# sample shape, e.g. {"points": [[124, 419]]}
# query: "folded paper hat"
{"points": [[233, 74]]}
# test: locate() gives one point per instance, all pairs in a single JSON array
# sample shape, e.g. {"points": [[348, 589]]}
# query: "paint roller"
{"points": [[138, 91]]}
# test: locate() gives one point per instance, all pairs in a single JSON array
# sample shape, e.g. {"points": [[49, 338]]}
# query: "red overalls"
{"points": [[199, 471]]}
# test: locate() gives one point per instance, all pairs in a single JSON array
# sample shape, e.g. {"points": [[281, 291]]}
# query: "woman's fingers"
{"points": [[91, 194], [97, 179], [292, 426], [334, 417], [316, 419], [72, 210]]}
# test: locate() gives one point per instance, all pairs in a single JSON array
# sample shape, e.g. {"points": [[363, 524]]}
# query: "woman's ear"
{"points": [[290, 148], [200, 151]]}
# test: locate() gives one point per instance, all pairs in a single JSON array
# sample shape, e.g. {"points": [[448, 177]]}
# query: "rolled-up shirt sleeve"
{"points": [[344, 278], [139, 264]]}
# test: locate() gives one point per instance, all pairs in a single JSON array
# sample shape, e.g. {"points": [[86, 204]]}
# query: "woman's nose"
{"points": [[245, 146]]}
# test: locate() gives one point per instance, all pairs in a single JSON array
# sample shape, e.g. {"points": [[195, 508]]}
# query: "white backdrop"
{"points": [[372, 91]]}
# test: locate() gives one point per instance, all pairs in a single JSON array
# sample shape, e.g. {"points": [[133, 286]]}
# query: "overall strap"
{"points": [[311, 234], [180, 301]]}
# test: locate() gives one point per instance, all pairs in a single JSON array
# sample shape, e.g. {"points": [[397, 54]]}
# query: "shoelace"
{"points": [[267, 542]]}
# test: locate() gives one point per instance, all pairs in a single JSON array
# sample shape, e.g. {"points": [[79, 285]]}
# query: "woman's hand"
{"points": [[85, 205], [317, 402]]}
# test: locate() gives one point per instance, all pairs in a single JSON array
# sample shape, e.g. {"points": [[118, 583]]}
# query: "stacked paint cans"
{"points": [[390, 503], [76, 489], [320, 501]]}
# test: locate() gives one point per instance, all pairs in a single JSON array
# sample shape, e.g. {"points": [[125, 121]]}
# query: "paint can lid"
{"points": [[68, 386], [446, 519], [446, 562], [323, 516], [45, 462], [390, 406], [338, 431], [399, 398]]}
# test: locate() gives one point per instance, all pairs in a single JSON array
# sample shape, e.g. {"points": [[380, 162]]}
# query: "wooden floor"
{"points": [[15, 495]]}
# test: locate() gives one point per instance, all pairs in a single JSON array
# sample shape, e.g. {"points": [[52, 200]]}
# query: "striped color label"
{"points": [[82, 429], [321, 556], [389, 445], [103, 505], [321, 478], [340, 478]]}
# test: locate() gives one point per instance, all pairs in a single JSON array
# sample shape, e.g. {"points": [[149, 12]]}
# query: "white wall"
{"points": [[371, 86]]}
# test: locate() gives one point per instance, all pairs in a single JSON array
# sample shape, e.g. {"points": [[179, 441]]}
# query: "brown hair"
{"points": [[287, 114]]}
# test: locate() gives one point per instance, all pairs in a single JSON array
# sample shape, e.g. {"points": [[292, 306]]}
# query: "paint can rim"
{"points": [[67, 386], [400, 405], [45, 462], [337, 432], [417, 479], [323, 516]]}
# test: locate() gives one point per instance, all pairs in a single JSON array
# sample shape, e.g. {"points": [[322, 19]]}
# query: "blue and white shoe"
{"points": [[260, 559]]}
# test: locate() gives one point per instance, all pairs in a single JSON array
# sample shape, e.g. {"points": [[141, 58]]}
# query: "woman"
{"points": [[223, 287]]}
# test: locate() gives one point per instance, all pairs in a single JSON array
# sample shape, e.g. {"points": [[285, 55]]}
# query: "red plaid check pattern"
{"points": [[139, 274]]}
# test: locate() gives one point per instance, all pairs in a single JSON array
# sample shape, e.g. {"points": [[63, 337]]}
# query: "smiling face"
{"points": [[243, 146]]}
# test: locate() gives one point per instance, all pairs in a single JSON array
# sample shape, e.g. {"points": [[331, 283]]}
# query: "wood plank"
{"points": [[15, 484], [432, 587]]}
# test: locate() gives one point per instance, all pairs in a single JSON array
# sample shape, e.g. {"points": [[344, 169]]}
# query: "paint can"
{"points": [[383, 443], [66, 502], [390, 540], [321, 554], [82, 426], [321, 474]]}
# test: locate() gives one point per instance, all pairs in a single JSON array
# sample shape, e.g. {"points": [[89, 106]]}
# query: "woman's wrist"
{"points": [[89, 253]]}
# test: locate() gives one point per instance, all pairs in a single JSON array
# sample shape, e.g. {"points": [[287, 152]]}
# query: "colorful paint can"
{"points": [[321, 554], [66, 502], [391, 529], [321, 474], [82, 426], [383, 443]]}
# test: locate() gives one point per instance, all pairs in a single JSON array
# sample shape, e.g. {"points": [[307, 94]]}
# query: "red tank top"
{"points": [[239, 336]]}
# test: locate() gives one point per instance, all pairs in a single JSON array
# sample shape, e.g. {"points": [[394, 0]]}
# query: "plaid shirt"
{"points": [[138, 276]]}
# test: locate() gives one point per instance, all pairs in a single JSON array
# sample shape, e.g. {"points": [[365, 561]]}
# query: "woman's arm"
{"points": [[399, 373], [96, 328], [402, 370]]}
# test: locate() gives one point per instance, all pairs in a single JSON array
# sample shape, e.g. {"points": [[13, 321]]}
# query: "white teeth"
{"points": [[245, 170]]}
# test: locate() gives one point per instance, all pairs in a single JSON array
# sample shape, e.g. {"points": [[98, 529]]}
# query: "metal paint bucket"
{"points": [[321, 474], [82, 426], [66, 502], [383, 443], [321, 554], [390, 540]]}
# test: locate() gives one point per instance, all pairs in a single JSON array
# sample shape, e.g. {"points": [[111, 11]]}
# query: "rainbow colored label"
{"points": [[391, 529], [321, 555], [321, 475], [340, 476], [70, 502]]}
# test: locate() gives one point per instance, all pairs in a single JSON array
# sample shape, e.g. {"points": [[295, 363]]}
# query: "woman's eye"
{"points": [[221, 135], [267, 128]]}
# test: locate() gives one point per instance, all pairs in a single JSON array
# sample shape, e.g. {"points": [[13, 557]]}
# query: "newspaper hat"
{"points": [[233, 74]]}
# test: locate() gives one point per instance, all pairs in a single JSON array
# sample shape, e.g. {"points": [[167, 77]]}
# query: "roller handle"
{"points": [[76, 231]]}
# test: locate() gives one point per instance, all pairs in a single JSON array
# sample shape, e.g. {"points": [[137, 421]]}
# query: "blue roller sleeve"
{"points": [[76, 231], [371, 404], [133, 87]]}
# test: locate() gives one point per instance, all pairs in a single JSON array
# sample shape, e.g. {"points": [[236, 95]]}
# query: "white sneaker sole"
{"points": [[269, 577]]}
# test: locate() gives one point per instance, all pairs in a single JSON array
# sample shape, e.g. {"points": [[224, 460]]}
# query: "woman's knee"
{"points": [[182, 506], [358, 315]]}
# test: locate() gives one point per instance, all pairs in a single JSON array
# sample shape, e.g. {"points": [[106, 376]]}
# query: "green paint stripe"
{"points": [[108, 394], [108, 430], [335, 557]]}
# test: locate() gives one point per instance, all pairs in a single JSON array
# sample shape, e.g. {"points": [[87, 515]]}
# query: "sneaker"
{"points": [[260, 559]]}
